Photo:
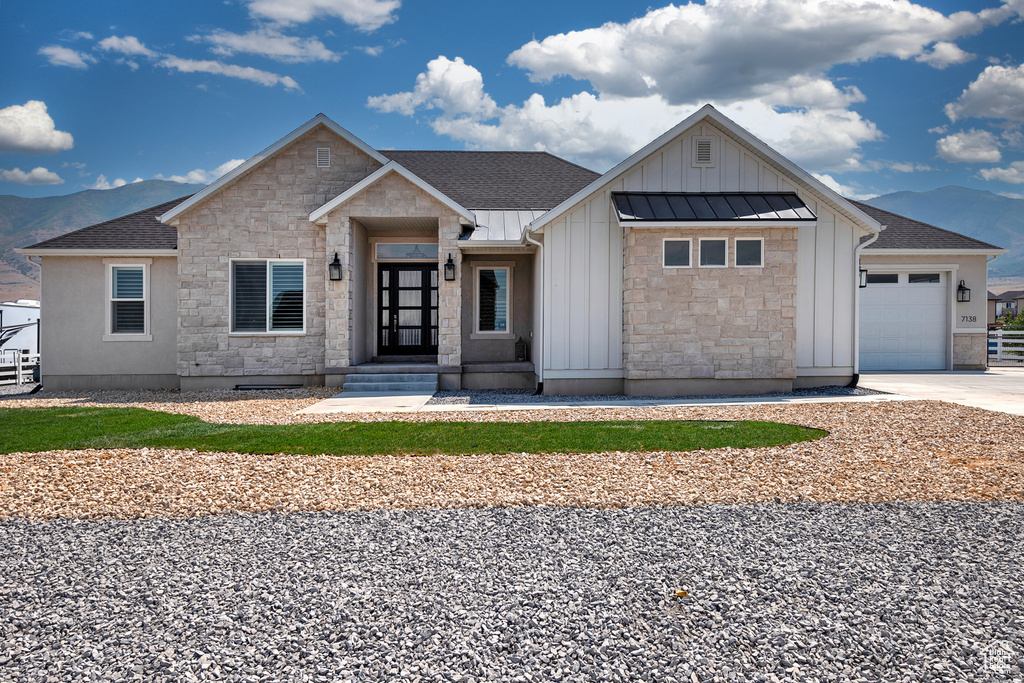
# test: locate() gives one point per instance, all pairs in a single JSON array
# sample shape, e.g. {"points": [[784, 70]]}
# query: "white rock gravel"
{"points": [[906, 592]]}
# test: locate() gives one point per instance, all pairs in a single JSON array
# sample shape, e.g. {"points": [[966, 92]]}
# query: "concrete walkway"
{"points": [[1000, 389], [397, 402]]}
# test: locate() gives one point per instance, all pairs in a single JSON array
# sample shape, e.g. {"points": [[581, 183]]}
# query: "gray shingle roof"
{"points": [[906, 233], [139, 230], [497, 180]]}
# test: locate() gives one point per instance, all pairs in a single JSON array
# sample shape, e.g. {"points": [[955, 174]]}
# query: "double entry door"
{"points": [[406, 309]]}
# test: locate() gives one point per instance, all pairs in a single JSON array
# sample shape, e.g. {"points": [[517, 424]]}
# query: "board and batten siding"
{"points": [[583, 262]]}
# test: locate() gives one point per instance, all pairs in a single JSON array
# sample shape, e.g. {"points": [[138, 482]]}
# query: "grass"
{"points": [[44, 429]]}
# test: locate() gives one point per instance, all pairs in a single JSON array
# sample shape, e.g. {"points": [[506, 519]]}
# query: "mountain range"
{"points": [[25, 221], [985, 216]]}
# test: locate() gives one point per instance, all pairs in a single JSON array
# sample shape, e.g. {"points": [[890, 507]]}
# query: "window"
{"points": [[127, 299], [749, 252], [676, 253], [406, 252], [713, 253], [493, 300], [883, 278], [268, 296], [924, 278]]}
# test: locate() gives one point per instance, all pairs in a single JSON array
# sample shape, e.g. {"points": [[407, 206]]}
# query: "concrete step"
{"points": [[419, 383]]}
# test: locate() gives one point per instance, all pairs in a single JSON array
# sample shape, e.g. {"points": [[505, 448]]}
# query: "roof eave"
{"points": [[919, 251], [253, 162], [83, 251]]}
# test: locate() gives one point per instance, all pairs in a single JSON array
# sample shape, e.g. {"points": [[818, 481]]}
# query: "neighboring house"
{"points": [[1007, 303], [705, 262]]}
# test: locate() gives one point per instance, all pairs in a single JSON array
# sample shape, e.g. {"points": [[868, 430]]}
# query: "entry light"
{"points": [[863, 278], [334, 268], [449, 270]]}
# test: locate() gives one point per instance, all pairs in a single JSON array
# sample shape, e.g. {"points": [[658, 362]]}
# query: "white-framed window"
{"points": [[492, 306], [749, 252], [127, 317], [268, 296], [714, 252], [676, 253]]}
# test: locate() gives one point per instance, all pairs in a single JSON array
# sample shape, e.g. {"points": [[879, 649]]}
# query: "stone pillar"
{"points": [[338, 307], [449, 294]]}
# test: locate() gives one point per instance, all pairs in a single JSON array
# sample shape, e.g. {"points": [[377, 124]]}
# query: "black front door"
{"points": [[406, 309]]}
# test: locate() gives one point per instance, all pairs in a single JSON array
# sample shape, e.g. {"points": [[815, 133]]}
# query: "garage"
{"points": [[904, 321]]}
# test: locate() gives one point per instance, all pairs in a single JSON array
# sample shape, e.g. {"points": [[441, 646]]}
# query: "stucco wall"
{"points": [[481, 350], [264, 214], [74, 296], [709, 323]]}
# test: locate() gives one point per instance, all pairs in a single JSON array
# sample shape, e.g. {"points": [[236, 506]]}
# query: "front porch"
{"points": [[470, 375]]}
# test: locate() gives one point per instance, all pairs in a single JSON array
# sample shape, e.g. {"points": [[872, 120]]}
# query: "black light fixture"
{"points": [[863, 278], [520, 350], [334, 268], [963, 293], [449, 270]]}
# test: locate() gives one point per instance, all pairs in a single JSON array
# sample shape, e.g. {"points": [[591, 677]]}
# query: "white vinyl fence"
{"points": [[17, 367], [1006, 347]]}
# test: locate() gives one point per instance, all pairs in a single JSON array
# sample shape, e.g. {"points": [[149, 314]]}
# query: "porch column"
{"points": [[449, 294], [338, 333]]}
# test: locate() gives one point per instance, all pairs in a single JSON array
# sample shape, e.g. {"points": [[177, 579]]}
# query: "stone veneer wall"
{"points": [[264, 214], [394, 196], [709, 323], [970, 351]]}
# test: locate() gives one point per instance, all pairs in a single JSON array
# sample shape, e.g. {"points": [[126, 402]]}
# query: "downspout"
{"points": [[856, 308], [540, 316]]}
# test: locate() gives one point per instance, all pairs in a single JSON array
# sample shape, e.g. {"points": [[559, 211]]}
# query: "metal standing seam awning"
{"points": [[704, 207]]}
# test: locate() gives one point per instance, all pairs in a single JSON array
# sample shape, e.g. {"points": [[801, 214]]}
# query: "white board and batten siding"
{"points": [[583, 261]]}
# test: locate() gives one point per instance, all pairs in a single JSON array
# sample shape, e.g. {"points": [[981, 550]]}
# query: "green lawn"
{"points": [[43, 429]]}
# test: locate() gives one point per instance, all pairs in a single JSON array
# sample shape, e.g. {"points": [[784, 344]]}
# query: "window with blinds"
{"points": [[128, 300], [492, 299], [267, 296]]}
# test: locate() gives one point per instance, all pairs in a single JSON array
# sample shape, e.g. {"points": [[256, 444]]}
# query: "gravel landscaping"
{"points": [[906, 592]]}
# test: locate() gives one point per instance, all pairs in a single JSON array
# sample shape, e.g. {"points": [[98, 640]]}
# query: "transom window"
{"points": [[268, 296], [128, 299], [676, 253], [749, 252], [493, 300], [394, 251], [713, 252]]}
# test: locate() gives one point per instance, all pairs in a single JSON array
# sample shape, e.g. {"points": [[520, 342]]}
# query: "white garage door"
{"points": [[904, 321]]}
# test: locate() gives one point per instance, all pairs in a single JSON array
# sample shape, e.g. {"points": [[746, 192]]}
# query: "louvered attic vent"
{"points": [[703, 151], [323, 157]]}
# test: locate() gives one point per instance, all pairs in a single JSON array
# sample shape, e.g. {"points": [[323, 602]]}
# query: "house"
{"points": [[1007, 303], [704, 263]]}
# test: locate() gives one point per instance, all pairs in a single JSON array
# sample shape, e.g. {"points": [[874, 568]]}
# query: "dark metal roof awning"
{"points": [[702, 207]]}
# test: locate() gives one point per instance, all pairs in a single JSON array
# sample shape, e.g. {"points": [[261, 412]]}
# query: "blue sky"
{"points": [[873, 96]]}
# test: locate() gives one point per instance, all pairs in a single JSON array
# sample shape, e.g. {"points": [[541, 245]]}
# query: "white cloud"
{"points": [[365, 15], [68, 35], [845, 190], [973, 146], [450, 85], [37, 176], [128, 45], [372, 50], [997, 93], [64, 56], [728, 50], [247, 73], [202, 176], [599, 130], [909, 167], [270, 42], [28, 129], [103, 184], [1013, 174], [943, 54]]}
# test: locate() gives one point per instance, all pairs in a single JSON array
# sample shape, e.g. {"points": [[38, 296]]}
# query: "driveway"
{"points": [[999, 389]]}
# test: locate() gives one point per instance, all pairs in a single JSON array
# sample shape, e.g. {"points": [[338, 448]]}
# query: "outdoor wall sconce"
{"points": [[334, 268], [449, 270], [863, 278], [963, 294]]}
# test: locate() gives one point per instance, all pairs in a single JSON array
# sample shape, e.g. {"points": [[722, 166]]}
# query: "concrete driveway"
{"points": [[999, 389]]}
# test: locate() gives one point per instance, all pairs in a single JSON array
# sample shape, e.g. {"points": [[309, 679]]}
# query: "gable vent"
{"points": [[323, 157], [703, 151]]}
